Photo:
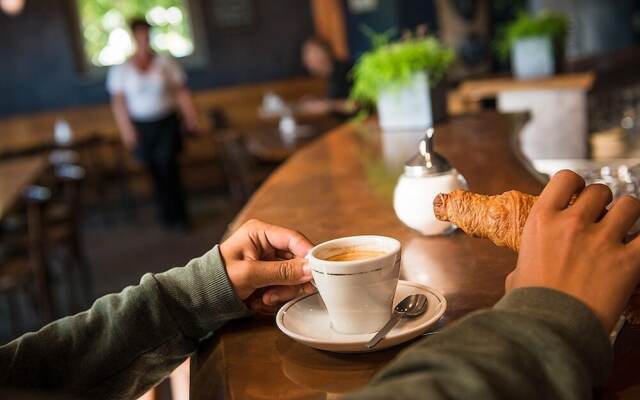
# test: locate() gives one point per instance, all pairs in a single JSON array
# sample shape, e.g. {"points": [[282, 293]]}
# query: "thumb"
{"points": [[508, 282], [284, 272]]}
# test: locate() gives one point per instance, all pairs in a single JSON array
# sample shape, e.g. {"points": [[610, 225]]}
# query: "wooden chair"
{"points": [[242, 173], [64, 219], [218, 119], [106, 173], [23, 265]]}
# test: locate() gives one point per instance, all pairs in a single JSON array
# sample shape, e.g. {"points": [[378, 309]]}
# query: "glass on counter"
{"points": [[622, 180]]}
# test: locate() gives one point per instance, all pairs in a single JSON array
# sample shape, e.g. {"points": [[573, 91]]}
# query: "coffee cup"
{"points": [[356, 277]]}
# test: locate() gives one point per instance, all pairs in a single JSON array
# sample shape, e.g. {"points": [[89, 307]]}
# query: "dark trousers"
{"points": [[159, 143]]}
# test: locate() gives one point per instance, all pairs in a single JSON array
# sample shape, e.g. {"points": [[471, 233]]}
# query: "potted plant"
{"points": [[536, 44], [396, 76]]}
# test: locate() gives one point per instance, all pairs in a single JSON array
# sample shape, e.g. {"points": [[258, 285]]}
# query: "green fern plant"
{"points": [[546, 23], [394, 63]]}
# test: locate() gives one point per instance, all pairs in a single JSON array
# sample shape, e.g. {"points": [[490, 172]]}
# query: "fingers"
{"points": [[266, 303], [558, 192], [621, 217], [284, 272], [592, 202], [259, 307], [284, 254], [280, 238], [281, 294]]}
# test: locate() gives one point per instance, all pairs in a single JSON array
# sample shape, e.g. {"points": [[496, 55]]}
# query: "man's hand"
{"points": [[192, 126], [265, 264], [314, 106], [580, 249]]}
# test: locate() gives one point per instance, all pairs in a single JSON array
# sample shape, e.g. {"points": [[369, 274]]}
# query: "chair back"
{"points": [[237, 165], [218, 119]]}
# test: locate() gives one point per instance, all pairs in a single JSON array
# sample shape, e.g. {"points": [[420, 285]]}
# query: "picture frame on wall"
{"points": [[233, 14]]}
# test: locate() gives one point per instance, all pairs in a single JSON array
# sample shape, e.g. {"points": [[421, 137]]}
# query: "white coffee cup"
{"points": [[359, 293]]}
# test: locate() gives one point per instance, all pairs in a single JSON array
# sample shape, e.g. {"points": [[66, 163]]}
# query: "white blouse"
{"points": [[150, 94]]}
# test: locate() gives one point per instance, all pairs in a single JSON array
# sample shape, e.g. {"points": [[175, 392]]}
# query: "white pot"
{"points": [[406, 106], [532, 57], [413, 201]]}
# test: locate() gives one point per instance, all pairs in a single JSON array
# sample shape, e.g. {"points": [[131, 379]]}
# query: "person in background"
{"points": [[547, 338], [319, 60], [150, 101]]}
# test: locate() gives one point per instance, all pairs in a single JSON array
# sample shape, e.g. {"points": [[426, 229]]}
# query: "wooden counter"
{"points": [[339, 186], [478, 89], [240, 104]]}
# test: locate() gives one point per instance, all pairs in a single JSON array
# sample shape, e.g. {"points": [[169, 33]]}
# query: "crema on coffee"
{"points": [[354, 254]]}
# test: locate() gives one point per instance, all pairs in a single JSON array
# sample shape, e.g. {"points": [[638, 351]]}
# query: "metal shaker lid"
{"points": [[427, 162]]}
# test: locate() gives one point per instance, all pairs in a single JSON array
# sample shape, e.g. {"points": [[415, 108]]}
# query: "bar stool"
{"points": [[65, 229]]}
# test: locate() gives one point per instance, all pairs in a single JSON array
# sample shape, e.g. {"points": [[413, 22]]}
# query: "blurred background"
{"points": [[237, 87]]}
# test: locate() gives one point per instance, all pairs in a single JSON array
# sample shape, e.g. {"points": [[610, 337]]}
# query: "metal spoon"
{"points": [[411, 307]]}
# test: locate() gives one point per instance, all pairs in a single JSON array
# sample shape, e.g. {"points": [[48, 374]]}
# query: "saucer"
{"points": [[306, 320]]}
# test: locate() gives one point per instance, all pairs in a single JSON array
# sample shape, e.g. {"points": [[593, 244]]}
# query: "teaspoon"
{"points": [[411, 307]]}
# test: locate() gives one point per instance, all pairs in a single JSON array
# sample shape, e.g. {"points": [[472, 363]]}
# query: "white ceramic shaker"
{"points": [[425, 175]]}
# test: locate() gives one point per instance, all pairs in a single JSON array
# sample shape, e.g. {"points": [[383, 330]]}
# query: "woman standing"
{"points": [[146, 93]]}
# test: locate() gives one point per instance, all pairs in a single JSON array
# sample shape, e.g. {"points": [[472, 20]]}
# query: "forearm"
{"points": [[121, 115], [535, 344], [343, 106], [127, 342], [186, 106]]}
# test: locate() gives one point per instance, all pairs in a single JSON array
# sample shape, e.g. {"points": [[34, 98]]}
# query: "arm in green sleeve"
{"points": [[536, 343], [127, 342]]}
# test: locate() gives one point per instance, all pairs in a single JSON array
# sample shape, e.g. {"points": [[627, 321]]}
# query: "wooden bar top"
{"points": [[341, 185], [15, 177]]}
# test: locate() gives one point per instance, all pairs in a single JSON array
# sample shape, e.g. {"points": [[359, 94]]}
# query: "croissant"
{"points": [[498, 218], [501, 219]]}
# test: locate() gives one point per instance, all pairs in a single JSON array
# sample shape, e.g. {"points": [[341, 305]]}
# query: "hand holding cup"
{"points": [[266, 265]]}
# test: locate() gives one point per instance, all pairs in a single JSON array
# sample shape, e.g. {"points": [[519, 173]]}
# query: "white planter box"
{"points": [[532, 57], [407, 106]]}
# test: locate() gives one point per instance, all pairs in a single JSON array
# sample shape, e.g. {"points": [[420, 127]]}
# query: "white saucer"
{"points": [[305, 320]]}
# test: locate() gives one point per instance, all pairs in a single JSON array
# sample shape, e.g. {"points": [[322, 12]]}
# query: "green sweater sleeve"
{"points": [[536, 343], [126, 342]]}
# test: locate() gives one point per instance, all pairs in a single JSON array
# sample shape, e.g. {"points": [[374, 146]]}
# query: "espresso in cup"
{"points": [[357, 277], [354, 254]]}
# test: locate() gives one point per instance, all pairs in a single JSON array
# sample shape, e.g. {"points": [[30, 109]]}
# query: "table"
{"points": [[267, 144], [338, 186], [15, 177]]}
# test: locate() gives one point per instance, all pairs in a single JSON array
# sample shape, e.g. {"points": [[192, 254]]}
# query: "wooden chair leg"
{"points": [[44, 296], [40, 263], [81, 261]]}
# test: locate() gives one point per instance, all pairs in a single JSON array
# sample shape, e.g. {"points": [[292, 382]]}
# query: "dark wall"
{"points": [[382, 19], [395, 15], [596, 26], [38, 63]]}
